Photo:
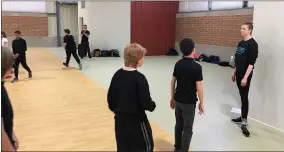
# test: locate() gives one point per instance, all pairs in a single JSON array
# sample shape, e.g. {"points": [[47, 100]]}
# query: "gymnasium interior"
{"points": [[65, 109]]}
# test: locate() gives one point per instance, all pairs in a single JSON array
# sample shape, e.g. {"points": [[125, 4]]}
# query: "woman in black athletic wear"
{"points": [[245, 58], [9, 139]]}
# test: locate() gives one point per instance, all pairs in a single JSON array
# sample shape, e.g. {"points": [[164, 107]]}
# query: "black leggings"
{"points": [[68, 56], [21, 59], [244, 92]]}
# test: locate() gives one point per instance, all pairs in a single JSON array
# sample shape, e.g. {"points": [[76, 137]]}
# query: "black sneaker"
{"points": [[65, 64], [245, 130], [15, 80], [237, 120], [30, 75]]}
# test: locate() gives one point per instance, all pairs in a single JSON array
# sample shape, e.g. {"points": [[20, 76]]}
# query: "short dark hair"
{"points": [[67, 31], [17, 32], [3, 34], [85, 25], [186, 46]]}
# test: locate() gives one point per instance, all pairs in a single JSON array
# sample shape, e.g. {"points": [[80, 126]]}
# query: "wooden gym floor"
{"points": [[62, 110]]}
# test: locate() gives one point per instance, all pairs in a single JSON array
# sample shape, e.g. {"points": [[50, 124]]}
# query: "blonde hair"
{"points": [[132, 54], [7, 59]]}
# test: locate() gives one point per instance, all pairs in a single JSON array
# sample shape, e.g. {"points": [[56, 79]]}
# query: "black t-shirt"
{"points": [[187, 73], [246, 54], [7, 113], [70, 42], [84, 37], [129, 95]]}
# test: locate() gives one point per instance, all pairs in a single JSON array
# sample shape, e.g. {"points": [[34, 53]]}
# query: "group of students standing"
{"points": [[129, 94]]}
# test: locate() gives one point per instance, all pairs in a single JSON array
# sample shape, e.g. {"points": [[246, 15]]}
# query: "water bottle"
{"points": [[232, 61]]}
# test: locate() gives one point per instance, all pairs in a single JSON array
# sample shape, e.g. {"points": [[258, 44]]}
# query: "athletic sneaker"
{"points": [[245, 130], [30, 75], [80, 66], [237, 120], [15, 80], [65, 64]]}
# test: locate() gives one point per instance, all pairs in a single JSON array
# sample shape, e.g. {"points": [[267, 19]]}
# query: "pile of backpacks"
{"points": [[105, 53], [209, 59]]}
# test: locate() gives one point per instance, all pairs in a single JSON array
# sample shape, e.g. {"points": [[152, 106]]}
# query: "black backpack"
{"points": [[114, 53], [105, 53]]}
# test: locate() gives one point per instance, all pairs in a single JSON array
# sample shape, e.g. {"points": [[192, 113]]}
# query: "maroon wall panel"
{"points": [[153, 25]]}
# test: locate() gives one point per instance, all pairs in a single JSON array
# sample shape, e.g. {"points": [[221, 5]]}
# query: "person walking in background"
{"points": [[188, 75], [85, 46], [4, 39], [70, 48], [9, 139], [128, 97], [245, 58], [19, 46]]}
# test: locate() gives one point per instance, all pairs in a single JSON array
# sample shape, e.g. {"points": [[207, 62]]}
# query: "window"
{"points": [[185, 6], [83, 4], [220, 5]]}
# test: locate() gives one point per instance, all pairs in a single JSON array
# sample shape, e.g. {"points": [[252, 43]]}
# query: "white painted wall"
{"points": [[24, 6], [267, 91], [108, 22]]}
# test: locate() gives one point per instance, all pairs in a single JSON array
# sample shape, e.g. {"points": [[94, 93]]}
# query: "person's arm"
{"points": [[144, 96], [252, 59], [199, 87], [88, 34], [16, 144], [173, 83], [25, 45], [110, 96], [173, 86], [13, 47], [65, 40], [6, 144]]}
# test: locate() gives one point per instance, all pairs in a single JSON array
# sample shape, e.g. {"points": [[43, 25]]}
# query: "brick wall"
{"points": [[28, 25], [220, 30]]}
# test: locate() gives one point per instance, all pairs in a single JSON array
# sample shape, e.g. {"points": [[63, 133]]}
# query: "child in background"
{"points": [[71, 49], [128, 97]]}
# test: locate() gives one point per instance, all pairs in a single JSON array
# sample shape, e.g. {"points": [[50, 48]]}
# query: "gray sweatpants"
{"points": [[185, 114]]}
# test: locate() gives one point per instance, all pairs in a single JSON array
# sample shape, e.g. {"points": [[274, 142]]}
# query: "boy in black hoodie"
{"points": [[19, 46], [71, 49], [128, 97]]}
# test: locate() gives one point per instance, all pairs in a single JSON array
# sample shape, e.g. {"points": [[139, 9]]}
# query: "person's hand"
{"points": [[16, 144], [172, 104], [201, 109], [244, 82], [234, 77], [16, 55]]}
